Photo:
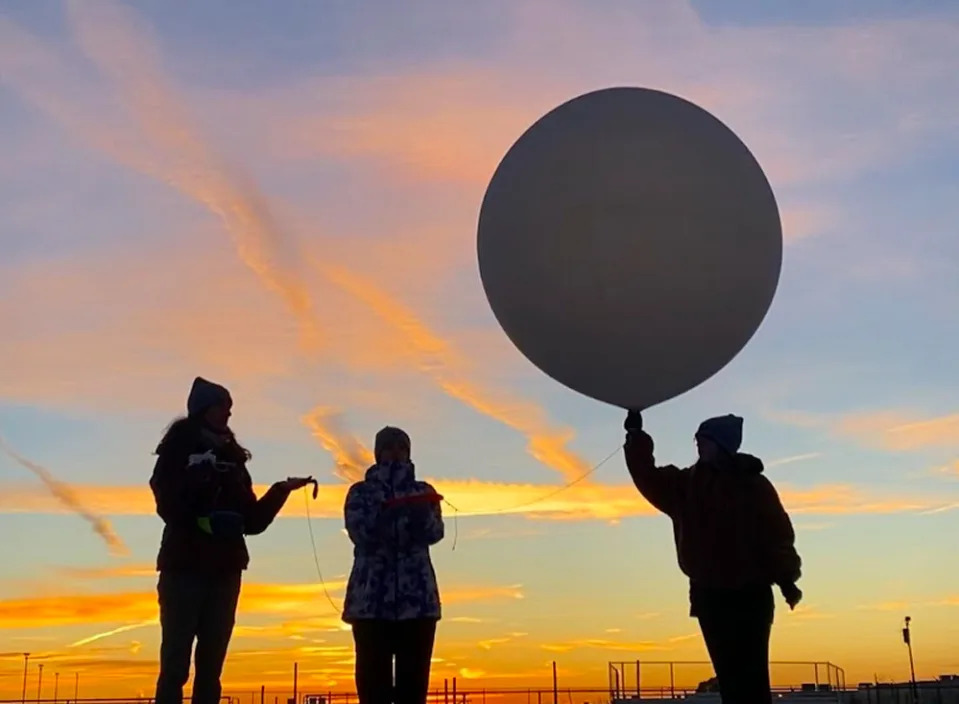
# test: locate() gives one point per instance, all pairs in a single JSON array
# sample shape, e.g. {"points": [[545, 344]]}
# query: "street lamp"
{"points": [[40, 683], [26, 662], [907, 639], [56, 686]]}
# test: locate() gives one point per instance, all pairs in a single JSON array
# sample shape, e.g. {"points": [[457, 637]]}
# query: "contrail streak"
{"points": [[109, 37], [351, 456], [106, 634], [69, 498], [448, 368]]}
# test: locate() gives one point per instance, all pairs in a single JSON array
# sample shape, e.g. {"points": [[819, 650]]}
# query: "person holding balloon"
{"points": [[392, 598], [630, 246], [734, 540]]}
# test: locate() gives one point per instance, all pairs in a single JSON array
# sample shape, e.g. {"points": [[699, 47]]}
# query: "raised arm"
{"points": [[660, 486]]}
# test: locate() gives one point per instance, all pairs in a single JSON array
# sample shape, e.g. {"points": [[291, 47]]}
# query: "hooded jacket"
{"points": [[204, 494], [392, 576], [730, 528]]}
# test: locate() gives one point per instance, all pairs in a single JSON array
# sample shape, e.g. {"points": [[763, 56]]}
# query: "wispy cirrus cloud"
{"points": [[111, 37], [619, 645], [134, 609], [449, 368], [887, 429], [608, 502], [352, 458]]}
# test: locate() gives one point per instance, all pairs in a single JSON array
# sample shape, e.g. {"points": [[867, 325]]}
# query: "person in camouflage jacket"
{"points": [[392, 598]]}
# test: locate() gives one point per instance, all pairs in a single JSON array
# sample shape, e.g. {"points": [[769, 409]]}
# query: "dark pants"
{"points": [[377, 643], [736, 625], [195, 607]]}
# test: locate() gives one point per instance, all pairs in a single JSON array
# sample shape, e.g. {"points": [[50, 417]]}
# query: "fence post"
{"points": [[555, 685]]}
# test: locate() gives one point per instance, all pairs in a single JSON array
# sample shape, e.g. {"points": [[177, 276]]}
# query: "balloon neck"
{"points": [[634, 421]]}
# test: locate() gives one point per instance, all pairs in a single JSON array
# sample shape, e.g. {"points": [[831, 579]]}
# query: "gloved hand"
{"points": [[792, 594], [633, 422], [222, 524], [637, 440]]}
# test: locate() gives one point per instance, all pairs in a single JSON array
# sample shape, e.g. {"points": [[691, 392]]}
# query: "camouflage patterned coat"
{"points": [[392, 576]]}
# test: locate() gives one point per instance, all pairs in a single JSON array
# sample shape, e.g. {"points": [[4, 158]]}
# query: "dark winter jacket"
{"points": [[730, 527], [392, 576], [204, 494]]}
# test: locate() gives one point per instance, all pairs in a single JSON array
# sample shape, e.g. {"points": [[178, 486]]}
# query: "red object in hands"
{"points": [[415, 498]]}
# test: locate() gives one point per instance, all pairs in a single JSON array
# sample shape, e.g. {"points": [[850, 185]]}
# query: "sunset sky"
{"points": [[283, 198]]}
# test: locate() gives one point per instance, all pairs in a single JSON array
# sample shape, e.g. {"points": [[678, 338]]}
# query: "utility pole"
{"points": [[40, 683], [26, 662], [907, 639], [555, 685], [296, 676]]}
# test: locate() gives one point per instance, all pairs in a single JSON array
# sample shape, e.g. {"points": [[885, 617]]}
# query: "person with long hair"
{"points": [[204, 494], [392, 598], [734, 541]]}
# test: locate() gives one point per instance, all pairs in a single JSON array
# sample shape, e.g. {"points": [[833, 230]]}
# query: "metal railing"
{"points": [[678, 678]]}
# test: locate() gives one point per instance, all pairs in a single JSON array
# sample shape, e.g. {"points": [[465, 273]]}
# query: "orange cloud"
{"points": [[351, 456], [934, 432], [893, 430], [618, 646], [124, 356], [110, 572], [134, 609], [446, 365], [458, 138], [477, 498]]}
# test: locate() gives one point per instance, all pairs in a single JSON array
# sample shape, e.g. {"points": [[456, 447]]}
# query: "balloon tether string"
{"points": [[563, 488], [316, 557]]}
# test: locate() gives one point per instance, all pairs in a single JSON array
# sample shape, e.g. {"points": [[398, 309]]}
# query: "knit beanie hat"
{"points": [[389, 437], [205, 394], [726, 431]]}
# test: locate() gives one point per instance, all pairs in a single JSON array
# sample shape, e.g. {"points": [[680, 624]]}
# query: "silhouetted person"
{"points": [[205, 497], [734, 541], [392, 599]]}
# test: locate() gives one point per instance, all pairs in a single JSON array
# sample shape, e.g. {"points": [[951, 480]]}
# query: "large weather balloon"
{"points": [[629, 245]]}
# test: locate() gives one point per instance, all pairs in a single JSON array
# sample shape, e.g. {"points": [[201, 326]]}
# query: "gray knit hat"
{"points": [[390, 437], [204, 395], [726, 431]]}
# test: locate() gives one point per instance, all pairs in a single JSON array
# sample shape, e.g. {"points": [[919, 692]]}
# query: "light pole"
{"points": [[40, 682], [26, 662], [907, 639], [76, 687], [56, 686]]}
